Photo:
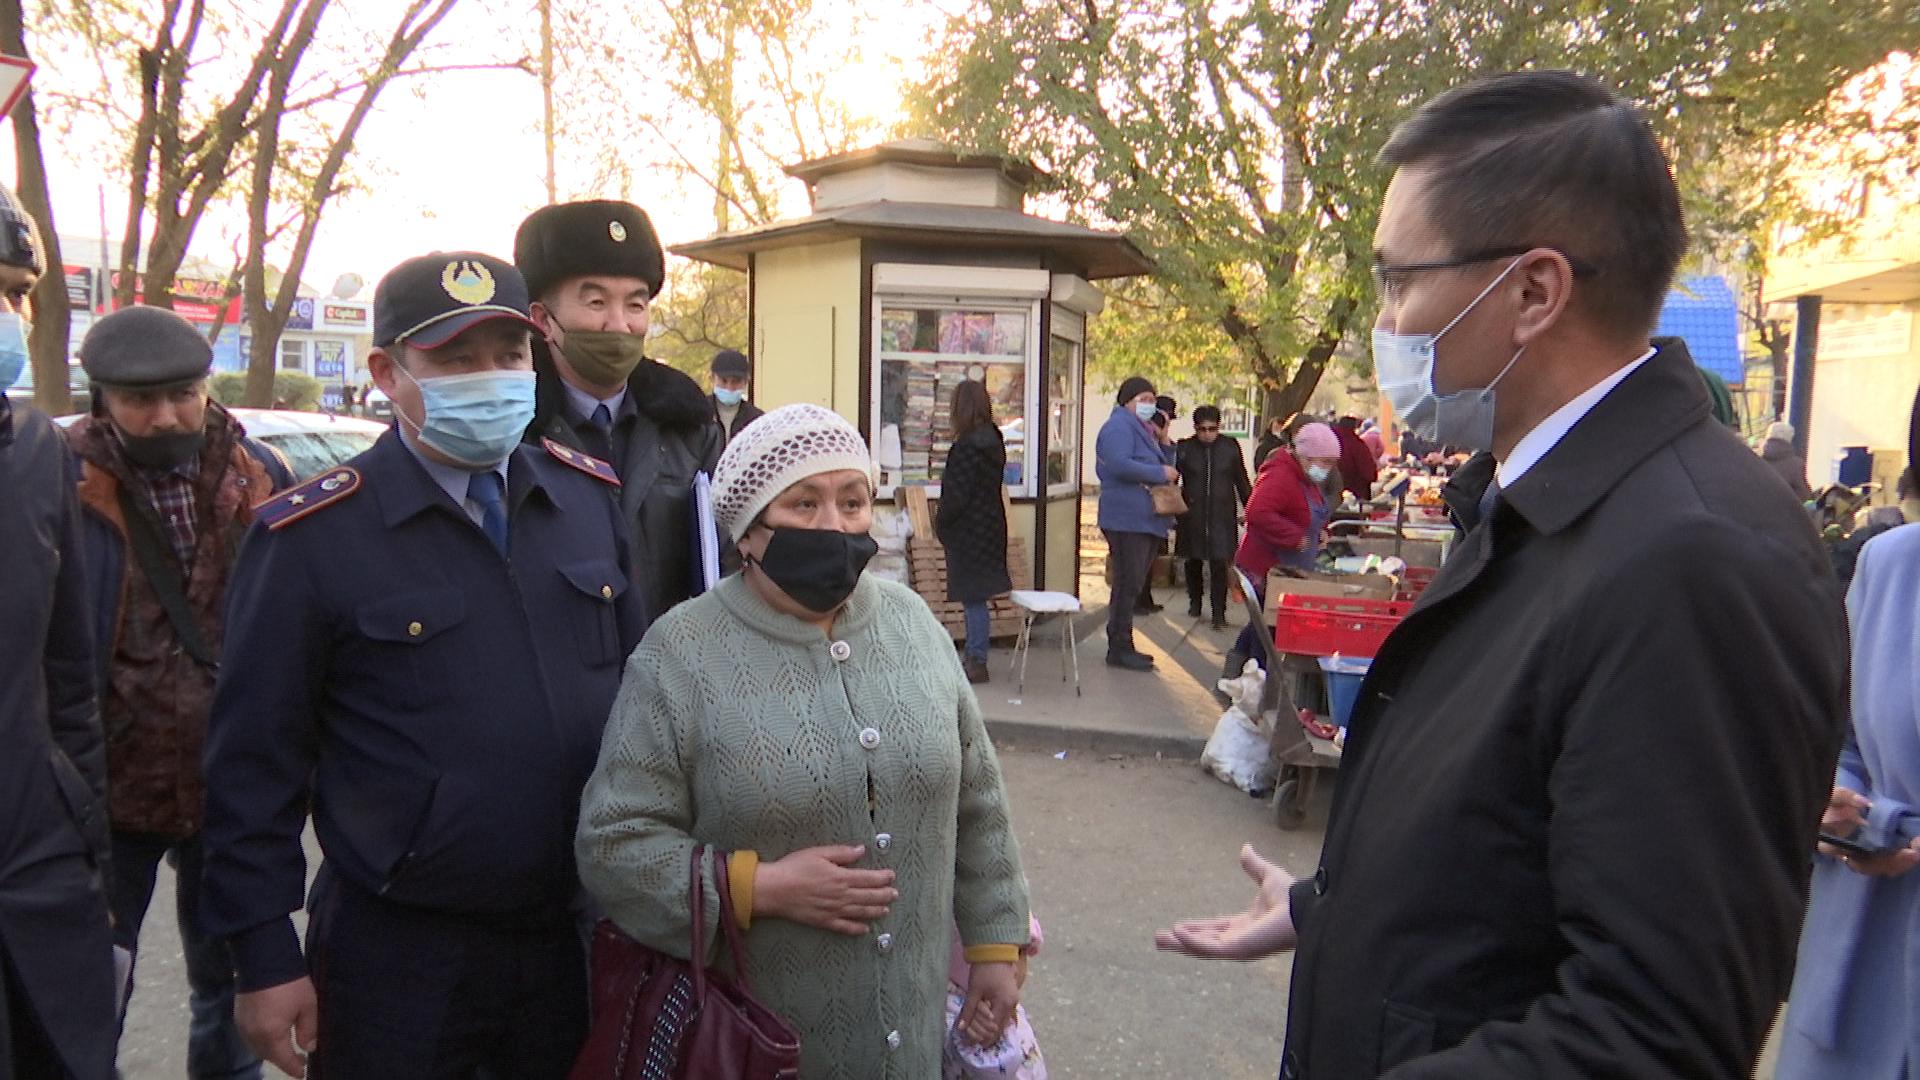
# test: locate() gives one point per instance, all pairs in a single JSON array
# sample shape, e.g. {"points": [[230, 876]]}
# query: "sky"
{"points": [[455, 160]]}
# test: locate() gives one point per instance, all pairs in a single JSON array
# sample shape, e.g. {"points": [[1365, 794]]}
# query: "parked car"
{"points": [[310, 442]]}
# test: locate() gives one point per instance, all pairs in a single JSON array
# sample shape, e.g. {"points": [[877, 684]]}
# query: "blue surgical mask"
{"points": [[475, 419], [1403, 366], [1146, 411], [13, 348], [1318, 473], [727, 397]]}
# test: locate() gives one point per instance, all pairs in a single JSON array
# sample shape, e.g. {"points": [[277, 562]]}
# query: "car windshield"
{"points": [[310, 453]]}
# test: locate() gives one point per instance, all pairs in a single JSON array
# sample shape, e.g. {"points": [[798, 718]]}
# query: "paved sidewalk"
{"points": [[1169, 711]]}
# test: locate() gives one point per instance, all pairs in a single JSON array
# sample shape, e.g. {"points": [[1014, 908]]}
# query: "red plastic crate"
{"points": [[1330, 626], [1414, 581]]}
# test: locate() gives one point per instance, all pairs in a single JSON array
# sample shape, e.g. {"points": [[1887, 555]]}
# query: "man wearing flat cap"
{"points": [[731, 377], [57, 1015], [168, 483], [439, 707], [593, 269]]}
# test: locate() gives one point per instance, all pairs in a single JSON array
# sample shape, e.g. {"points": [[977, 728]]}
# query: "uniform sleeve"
{"points": [[990, 902], [68, 662], [634, 845], [1684, 813], [262, 746]]}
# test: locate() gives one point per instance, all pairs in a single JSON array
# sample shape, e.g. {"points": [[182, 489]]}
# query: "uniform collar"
{"points": [[580, 404], [406, 483], [1650, 408]]}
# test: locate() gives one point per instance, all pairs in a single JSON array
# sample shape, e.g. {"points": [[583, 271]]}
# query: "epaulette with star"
{"points": [[586, 463], [302, 499]]}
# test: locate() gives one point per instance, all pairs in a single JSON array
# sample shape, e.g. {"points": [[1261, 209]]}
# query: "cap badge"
{"points": [[467, 281], [617, 231]]}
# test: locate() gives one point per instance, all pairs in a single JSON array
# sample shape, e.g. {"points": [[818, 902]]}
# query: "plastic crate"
{"points": [[1414, 581], [1343, 675], [1334, 626]]}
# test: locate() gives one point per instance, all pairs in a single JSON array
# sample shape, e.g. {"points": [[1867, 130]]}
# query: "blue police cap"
{"points": [[428, 301]]}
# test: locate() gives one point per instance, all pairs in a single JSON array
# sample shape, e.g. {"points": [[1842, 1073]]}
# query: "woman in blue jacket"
{"points": [[1130, 456]]}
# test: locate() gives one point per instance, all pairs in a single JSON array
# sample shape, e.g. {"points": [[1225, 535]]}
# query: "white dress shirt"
{"points": [[1547, 434]]}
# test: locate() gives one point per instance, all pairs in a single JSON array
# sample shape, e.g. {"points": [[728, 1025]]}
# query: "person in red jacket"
{"points": [[1285, 519], [1359, 466]]}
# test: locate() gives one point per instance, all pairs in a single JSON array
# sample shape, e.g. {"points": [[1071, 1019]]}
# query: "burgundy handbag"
{"points": [[658, 1017]]}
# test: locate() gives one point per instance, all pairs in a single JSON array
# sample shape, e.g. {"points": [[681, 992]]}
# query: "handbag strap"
{"points": [[729, 928]]}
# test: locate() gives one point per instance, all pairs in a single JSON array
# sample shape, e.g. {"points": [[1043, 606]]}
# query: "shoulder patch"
{"points": [[586, 463], [302, 499]]}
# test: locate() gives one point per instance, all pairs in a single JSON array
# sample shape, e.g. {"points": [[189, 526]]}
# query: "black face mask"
{"points": [[817, 567], [163, 451]]}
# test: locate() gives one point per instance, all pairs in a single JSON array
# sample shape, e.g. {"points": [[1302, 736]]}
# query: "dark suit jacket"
{"points": [[1575, 817], [672, 436], [53, 768], [442, 705]]}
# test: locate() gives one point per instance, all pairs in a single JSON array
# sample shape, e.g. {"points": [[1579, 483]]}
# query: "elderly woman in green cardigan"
{"points": [[815, 724]]}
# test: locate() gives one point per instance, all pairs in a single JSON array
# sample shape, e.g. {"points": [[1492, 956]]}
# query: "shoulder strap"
{"points": [[143, 535]]}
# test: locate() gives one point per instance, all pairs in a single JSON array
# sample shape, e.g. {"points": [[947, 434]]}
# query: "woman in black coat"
{"points": [[1213, 480], [972, 521]]}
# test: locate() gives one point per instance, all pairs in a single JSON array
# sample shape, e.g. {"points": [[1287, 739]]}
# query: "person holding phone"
{"points": [[1852, 1011]]}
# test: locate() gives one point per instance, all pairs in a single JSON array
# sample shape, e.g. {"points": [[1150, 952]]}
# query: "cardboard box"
{"points": [[1364, 586]]}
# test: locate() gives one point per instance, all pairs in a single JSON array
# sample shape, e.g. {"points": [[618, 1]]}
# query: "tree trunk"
{"points": [[52, 317]]}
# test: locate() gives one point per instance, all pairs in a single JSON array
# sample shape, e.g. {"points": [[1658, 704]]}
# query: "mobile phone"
{"points": [[1851, 847]]}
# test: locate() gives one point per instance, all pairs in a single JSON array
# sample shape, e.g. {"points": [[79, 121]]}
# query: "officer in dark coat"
{"points": [[1575, 817], [732, 377], [1213, 480], [439, 706], [593, 269], [57, 1016]]}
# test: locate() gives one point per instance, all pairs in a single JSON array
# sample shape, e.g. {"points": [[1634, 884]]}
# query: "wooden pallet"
{"points": [[927, 573]]}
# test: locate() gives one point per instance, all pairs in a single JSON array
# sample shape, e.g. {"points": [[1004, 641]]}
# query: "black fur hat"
{"points": [[596, 236]]}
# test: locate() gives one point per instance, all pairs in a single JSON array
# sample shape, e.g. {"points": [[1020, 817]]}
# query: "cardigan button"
{"points": [[883, 841], [885, 941], [893, 1040], [840, 651], [869, 738]]}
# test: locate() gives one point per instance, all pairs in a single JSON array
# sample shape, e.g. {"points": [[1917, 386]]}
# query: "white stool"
{"points": [[1032, 606]]}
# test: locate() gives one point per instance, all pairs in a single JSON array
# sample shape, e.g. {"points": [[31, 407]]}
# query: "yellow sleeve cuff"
{"points": [[993, 954], [741, 866]]}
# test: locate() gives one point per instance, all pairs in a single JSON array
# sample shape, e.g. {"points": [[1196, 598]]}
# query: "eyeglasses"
{"points": [[1205, 428], [1392, 281]]}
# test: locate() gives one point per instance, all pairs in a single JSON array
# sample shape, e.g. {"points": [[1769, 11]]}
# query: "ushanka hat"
{"points": [[597, 236], [778, 451]]}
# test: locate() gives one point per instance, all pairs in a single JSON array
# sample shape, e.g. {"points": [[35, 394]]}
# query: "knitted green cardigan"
{"points": [[746, 729]]}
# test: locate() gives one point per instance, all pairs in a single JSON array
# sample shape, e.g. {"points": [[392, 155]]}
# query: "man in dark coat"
{"points": [[732, 377], [1581, 785], [594, 269], [57, 1015], [168, 482], [1213, 480]]}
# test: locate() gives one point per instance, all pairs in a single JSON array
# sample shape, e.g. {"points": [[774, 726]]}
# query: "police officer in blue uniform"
{"points": [[423, 644]]}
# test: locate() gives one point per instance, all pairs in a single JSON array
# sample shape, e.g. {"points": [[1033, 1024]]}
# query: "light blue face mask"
{"points": [[729, 398], [1403, 366], [1146, 411], [1318, 473], [13, 348], [475, 419]]}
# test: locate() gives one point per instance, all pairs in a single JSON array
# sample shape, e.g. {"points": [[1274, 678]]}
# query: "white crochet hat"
{"points": [[777, 451]]}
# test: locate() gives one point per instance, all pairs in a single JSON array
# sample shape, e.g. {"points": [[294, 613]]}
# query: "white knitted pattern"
{"points": [[777, 451]]}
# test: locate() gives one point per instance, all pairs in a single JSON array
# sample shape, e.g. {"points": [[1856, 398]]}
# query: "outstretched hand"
{"points": [[1263, 929]]}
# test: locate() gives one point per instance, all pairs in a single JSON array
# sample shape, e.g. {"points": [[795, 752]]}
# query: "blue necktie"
{"points": [[599, 438], [485, 490]]}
